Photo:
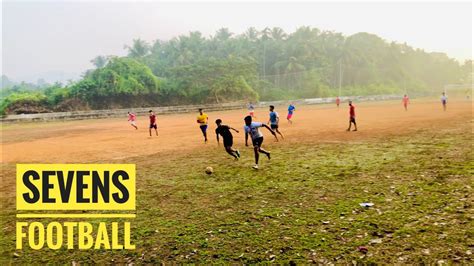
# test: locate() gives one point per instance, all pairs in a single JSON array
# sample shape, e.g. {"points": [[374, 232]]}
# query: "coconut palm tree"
{"points": [[223, 34], [138, 49], [278, 34], [100, 61], [251, 34]]}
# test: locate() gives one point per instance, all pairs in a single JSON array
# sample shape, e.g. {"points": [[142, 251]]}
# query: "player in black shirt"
{"points": [[224, 131]]}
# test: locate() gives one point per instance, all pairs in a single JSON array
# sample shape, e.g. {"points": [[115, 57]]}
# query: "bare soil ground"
{"points": [[112, 139]]}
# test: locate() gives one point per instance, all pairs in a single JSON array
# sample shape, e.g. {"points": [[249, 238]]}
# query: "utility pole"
{"points": [[405, 84], [264, 57], [340, 76]]}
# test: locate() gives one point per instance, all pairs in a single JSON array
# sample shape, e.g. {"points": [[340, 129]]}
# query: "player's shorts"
{"points": [[274, 126], [257, 142], [203, 128], [153, 126], [444, 102], [352, 119], [228, 141], [289, 116]]}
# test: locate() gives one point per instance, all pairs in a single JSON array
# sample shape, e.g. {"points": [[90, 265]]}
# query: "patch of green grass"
{"points": [[301, 207]]}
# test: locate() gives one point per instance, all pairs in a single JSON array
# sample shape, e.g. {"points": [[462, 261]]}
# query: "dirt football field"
{"points": [[105, 140], [303, 206]]}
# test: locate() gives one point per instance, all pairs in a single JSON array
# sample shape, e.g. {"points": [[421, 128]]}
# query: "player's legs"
{"points": [[133, 124], [260, 149], [257, 155], [275, 128], [278, 131], [228, 142], [256, 147], [231, 151], [155, 127], [257, 143], [355, 125], [204, 132], [267, 153]]}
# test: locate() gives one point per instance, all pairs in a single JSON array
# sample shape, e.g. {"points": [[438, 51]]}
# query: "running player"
{"points": [[274, 120], [153, 122], [251, 109], [444, 100], [257, 137], [405, 101], [352, 117], [132, 119], [338, 101], [224, 131], [202, 121], [291, 110]]}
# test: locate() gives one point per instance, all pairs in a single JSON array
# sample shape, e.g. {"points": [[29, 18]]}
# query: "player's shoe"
{"points": [[255, 167], [268, 155], [238, 153]]}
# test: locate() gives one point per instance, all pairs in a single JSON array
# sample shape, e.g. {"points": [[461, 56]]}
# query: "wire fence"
{"points": [[98, 114], [337, 77]]}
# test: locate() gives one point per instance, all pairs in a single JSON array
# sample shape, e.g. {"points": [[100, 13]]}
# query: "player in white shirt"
{"points": [[444, 100], [252, 129]]}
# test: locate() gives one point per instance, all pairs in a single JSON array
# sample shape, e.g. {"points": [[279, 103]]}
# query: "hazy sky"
{"points": [[44, 38]]}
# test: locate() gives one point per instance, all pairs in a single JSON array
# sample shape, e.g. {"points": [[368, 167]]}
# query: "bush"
{"points": [[24, 103]]}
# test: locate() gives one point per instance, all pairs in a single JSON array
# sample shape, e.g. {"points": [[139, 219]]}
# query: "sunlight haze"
{"points": [[57, 40]]}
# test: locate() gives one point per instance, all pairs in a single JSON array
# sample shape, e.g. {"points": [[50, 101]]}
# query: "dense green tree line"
{"points": [[268, 64]]}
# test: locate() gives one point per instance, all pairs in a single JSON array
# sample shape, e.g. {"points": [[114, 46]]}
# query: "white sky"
{"points": [[49, 37]]}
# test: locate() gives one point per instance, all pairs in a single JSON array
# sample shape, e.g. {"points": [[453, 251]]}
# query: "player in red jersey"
{"points": [[153, 122], [405, 101], [352, 117], [132, 118]]}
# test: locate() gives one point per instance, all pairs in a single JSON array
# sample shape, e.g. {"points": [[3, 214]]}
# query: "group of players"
{"points": [[252, 128]]}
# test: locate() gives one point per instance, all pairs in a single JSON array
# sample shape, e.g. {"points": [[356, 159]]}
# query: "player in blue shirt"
{"points": [[291, 109], [274, 120], [251, 109]]}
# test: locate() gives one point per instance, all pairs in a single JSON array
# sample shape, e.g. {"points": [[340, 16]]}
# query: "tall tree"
{"points": [[138, 49], [100, 61]]}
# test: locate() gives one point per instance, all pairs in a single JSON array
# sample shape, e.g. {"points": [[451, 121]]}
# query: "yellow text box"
{"points": [[75, 187]]}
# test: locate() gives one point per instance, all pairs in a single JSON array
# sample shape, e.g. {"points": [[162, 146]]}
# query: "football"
{"points": [[209, 170]]}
